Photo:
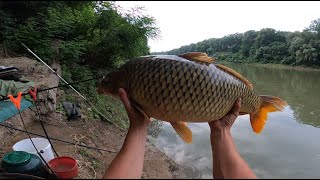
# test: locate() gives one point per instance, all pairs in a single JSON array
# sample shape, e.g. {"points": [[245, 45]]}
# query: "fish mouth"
{"points": [[103, 91], [100, 91]]}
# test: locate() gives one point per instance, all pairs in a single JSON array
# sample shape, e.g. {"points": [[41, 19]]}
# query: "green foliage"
{"points": [[84, 152], [264, 46], [315, 26], [92, 33], [113, 109], [94, 36], [72, 51]]}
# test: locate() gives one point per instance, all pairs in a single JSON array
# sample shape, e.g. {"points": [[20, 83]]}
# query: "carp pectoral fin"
{"points": [[235, 74], [135, 105], [183, 131], [197, 56]]}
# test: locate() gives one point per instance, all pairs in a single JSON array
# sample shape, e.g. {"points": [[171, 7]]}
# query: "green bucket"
{"points": [[23, 163]]}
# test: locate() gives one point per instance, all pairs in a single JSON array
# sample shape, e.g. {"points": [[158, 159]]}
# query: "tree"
{"points": [[210, 51], [315, 27], [265, 46], [247, 42]]}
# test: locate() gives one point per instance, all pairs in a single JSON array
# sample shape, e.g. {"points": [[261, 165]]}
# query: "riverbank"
{"points": [[88, 130], [95, 133], [270, 65]]}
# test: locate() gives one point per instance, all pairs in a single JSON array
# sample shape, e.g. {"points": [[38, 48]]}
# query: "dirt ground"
{"points": [[86, 131], [95, 133]]}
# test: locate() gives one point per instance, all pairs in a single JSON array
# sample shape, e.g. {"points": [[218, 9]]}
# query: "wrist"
{"points": [[220, 133], [138, 129], [136, 135]]}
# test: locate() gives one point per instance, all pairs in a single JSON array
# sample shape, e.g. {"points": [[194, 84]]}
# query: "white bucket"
{"points": [[41, 144]]}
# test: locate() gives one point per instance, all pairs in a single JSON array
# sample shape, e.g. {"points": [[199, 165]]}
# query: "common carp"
{"points": [[188, 87]]}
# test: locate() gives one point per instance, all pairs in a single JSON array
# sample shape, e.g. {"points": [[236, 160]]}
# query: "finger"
{"points": [[214, 123], [124, 98], [142, 112], [236, 108]]}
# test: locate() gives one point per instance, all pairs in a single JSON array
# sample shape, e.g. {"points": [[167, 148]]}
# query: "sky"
{"points": [[185, 22]]}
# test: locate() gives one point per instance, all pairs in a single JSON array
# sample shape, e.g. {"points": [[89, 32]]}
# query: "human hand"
{"points": [[227, 121], [138, 118]]}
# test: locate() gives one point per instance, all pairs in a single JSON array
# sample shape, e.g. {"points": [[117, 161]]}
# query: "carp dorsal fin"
{"points": [[197, 56], [236, 74]]}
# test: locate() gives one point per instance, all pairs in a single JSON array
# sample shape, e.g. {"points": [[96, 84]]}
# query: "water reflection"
{"points": [[301, 89], [287, 148]]}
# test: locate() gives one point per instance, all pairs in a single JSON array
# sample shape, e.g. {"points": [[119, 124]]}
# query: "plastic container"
{"points": [[42, 145], [18, 176], [23, 163], [64, 167]]}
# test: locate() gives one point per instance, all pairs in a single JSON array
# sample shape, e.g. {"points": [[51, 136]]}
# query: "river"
{"points": [[289, 145]]}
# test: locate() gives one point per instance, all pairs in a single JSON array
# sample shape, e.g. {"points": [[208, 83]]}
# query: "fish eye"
{"points": [[106, 78]]}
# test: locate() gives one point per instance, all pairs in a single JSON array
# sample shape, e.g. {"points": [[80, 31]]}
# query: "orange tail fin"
{"points": [[269, 104]]}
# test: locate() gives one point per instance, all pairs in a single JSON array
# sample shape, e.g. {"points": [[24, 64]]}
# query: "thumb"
{"points": [[236, 108], [233, 113], [124, 98]]}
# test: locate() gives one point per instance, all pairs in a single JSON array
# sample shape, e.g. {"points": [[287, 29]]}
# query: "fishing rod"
{"points": [[38, 152], [37, 110], [46, 89], [59, 140], [67, 83], [43, 128]]}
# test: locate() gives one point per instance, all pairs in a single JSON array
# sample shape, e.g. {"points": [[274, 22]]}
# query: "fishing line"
{"points": [[44, 130], [67, 83], [3, 171], [59, 140], [24, 126], [46, 89]]}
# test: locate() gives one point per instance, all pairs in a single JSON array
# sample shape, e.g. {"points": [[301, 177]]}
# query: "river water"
{"points": [[289, 145]]}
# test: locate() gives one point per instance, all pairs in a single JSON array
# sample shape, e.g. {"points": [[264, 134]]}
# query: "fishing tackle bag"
{"points": [[10, 73]]}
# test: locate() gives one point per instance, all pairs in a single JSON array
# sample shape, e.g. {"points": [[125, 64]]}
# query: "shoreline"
{"points": [[96, 133], [279, 66], [86, 130]]}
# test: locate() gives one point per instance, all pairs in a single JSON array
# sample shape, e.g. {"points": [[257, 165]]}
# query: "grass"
{"points": [[95, 164], [114, 110], [84, 152], [110, 107], [60, 109]]}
